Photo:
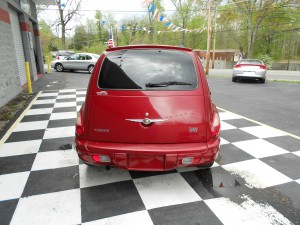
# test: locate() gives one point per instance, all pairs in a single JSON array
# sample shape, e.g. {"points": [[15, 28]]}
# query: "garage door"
{"points": [[15, 26]]}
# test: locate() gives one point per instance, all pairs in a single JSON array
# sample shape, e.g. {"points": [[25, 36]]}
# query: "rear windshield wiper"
{"points": [[165, 84]]}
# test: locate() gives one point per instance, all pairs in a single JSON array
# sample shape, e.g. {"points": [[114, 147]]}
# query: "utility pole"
{"points": [[215, 36], [208, 38]]}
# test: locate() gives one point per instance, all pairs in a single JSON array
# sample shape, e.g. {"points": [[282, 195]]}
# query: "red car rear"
{"points": [[148, 108]]}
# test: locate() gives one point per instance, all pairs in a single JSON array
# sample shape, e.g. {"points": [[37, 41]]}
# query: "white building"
{"points": [[19, 43]]}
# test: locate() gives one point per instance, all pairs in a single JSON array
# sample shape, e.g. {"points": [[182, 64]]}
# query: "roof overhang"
{"points": [[44, 2]]}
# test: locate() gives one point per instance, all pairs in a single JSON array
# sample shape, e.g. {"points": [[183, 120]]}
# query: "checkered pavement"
{"points": [[256, 179]]}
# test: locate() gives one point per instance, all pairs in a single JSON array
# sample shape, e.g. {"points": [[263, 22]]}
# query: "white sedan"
{"points": [[249, 69], [78, 61]]}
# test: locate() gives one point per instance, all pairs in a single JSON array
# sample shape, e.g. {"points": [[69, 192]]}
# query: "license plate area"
{"points": [[151, 162], [249, 74]]}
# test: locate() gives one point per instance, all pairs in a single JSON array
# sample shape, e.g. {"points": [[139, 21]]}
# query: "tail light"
{"points": [[263, 67], [57, 57], [215, 125], [79, 124], [237, 66]]}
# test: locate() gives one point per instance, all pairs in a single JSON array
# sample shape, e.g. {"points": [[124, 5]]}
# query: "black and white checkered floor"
{"points": [[256, 179]]}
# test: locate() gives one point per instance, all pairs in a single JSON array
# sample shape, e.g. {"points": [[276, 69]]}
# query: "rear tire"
{"points": [[233, 79], [90, 68], [59, 67], [263, 80]]}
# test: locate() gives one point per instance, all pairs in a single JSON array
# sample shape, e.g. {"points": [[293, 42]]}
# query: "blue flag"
{"points": [[152, 8]]}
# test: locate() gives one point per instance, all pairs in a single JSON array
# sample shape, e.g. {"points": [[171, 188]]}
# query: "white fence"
{"points": [[219, 64]]}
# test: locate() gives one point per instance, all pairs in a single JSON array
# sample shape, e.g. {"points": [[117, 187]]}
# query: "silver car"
{"points": [[78, 61], [249, 69]]}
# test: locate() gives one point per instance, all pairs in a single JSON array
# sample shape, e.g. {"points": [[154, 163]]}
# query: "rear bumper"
{"points": [[148, 157], [254, 75]]}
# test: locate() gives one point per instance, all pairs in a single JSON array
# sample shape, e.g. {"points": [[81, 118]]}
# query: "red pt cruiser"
{"points": [[148, 107]]}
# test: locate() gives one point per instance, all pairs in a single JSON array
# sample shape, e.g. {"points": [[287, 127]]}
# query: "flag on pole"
{"points": [[110, 42]]}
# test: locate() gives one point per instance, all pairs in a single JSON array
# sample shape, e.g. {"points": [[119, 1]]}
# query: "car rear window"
{"points": [[148, 70], [250, 62]]}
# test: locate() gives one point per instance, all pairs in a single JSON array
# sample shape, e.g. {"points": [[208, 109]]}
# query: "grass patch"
{"points": [[287, 81], [8, 111]]}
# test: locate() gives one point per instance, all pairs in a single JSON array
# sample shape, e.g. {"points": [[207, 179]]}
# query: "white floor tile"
{"points": [[19, 148], [64, 115], [59, 132], [257, 174], [45, 101], [80, 92], [67, 90], [66, 96], [224, 142], [54, 208], [80, 99], [135, 218], [259, 148], [39, 111], [55, 159], [246, 213], [263, 131], [9, 188], [226, 126], [92, 176], [48, 94], [165, 190], [64, 104], [36, 125], [297, 153], [228, 116]]}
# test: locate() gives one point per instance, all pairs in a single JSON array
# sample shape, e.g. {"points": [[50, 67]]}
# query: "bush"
{"points": [[267, 60]]}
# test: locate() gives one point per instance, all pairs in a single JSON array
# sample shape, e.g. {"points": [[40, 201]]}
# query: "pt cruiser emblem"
{"points": [[146, 121]]}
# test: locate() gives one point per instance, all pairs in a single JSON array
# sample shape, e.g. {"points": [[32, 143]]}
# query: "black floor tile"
{"points": [[109, 200], [7, 209], [42, 106], [46, 98], [64, 109], [235, 135], [53, 180], [239, 123], [231, 154], [286, 142], [36, 118], [56, 144], [66, 100], [26, 135], [187, 214], [61, 123], [288, 164], [67, 93], [214, 183], [15, 164]]}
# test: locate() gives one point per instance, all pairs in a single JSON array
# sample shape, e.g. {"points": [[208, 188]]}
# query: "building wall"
{"points": [[9, 77], [10, 84]]}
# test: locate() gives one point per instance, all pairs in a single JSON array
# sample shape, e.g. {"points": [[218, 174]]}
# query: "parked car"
{"points": [[148, 108], [80, 61], [63, 54], [249, 69]]}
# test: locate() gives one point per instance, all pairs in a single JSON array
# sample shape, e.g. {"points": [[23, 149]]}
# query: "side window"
{"points": [[82, 57], [88, 57], [74, 57]]}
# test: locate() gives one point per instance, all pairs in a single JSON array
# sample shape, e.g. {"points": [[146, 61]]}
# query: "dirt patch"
{"points": [[8, 111]]}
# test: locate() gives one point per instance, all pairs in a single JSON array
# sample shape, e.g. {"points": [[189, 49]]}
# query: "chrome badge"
{"points": [[146, 120]]}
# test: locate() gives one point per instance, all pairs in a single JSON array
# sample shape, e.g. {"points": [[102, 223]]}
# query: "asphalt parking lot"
{"points": [[255, 180]]}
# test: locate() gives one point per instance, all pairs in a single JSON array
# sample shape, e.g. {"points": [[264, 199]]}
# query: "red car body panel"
{"points": [[106, 125]]}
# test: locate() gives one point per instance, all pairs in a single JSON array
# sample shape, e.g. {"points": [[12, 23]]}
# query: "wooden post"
{"points": [[208, 39]]}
